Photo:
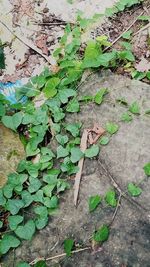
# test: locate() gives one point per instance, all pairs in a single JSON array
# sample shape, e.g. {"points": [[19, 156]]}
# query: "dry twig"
{"points": [[59, 256]]}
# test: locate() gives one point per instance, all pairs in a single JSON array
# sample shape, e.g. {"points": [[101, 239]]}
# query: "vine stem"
{"points": [[59, 256]]}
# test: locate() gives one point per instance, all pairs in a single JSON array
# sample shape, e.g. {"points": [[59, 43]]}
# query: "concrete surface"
{"points": [[123, 158]]}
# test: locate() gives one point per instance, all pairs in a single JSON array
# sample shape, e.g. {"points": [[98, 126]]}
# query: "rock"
{"points": [[11, 152], [123, 158]]}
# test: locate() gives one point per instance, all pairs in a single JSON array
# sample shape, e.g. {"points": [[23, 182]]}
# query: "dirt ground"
{"points": [[123, 159]]}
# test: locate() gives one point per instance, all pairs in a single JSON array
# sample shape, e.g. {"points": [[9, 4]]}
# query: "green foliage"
{"points": [[98, 99], [50, 87], [127, 35], [76, 154], [104, 140], [126, 116], [134, 190], [12, 122], [111, 198], [147, 169], [26, 231], [41, 182], [68, 245], [92, 151], [94, 201], [111, 128], [7, 242], [23, 264], [134, 108], [102, 234]]}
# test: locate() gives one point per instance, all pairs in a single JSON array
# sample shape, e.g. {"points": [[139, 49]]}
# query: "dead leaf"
{"points": [[41, 43], [95, 133], [83, 147], [143, 65]]}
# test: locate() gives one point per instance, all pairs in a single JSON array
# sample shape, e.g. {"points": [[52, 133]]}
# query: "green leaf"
{"points": [[42, 219], [94, 201], [14, 221], [126, 117], [68, 245], [126, 45], [127, 35], [2, 198], [51, 177], [144, 18], [27, 198], [126, 54], [134, 108], [105, 59], [2, 110], [111, 128], [138, 75], [102, 234], [51, 203], [62, 152], [76, 154], [91, 55], [30, 152], [110, 198], [12, 122], [48, 189], [26, 231], [73, 106], [104, 140], [98, 99], [14, 205], [8, 190], [50, 87], [62, 139], [134, 190], [34, 185], [64, 94], [23, 264], [41, 264], [69, 167], [103, 40], [92, 151], [7, 242], [148, 75], [74, 129], [62, 186], [147, 169]]}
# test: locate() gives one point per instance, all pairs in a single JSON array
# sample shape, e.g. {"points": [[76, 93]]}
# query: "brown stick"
{"points": [[83, 147], [26, 42], [59, 256]]}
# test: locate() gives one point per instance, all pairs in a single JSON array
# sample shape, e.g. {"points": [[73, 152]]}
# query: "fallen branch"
{"points": [[26, 42], [59, 256], [83, 147]]}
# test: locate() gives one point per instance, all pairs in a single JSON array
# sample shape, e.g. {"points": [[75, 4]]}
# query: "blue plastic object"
{"points": [[8, 90]]}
